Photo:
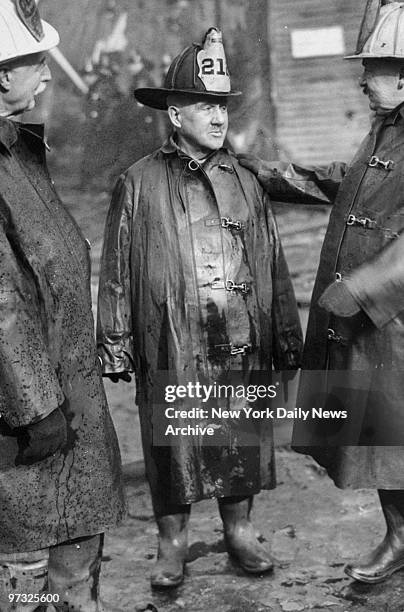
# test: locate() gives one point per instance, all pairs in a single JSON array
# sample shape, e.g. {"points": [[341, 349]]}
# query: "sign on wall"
{"points": [[317, 42]]}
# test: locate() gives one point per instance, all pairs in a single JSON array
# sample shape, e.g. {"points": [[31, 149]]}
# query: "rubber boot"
{"points": [[168, 571], [74, 573], [240, 536], [388, 557], [22, 574]]}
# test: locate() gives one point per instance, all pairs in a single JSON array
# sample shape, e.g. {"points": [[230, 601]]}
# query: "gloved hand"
{"points": [[117, 376], [338, 300], [42, 439], [251, 162]]}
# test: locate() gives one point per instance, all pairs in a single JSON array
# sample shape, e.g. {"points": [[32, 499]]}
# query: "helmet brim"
{"points": [[352, 57], [373, 56], [51, 38], [156, 97]]}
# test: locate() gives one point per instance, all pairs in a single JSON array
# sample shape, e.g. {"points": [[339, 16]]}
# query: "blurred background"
{"points": [[301, 101]]}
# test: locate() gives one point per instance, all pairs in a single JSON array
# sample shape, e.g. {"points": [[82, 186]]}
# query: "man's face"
{"points": [[26, 78], [380, 82], [202, 125]]}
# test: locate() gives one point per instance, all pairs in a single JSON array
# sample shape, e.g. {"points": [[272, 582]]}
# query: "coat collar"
{"points": [[9, 131], [171, 147], [396, 115]]}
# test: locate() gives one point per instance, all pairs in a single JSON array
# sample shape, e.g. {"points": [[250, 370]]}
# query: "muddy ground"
{"points": [[312, 528]]}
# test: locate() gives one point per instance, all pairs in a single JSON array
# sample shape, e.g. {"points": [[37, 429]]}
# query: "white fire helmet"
{"points": [[22, 31], [386, 39]]}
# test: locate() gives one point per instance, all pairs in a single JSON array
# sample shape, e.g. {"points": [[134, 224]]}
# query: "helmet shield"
{"points": [[27, 11], [368, 23]]}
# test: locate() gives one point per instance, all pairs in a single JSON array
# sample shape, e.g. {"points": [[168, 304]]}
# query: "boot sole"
{"points": [[166, 584], [162, 581], [374, 579], [255, 570], [251, 569]]}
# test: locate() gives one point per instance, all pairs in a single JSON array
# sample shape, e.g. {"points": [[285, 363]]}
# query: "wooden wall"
{"points": [[321, 112]]}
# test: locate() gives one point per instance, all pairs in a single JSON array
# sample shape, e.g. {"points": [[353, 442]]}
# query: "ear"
{"points": [[174, 114], [400, 84], [5, 79]]}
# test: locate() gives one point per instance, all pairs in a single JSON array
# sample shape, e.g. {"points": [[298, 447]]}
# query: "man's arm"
{"points": [[287, 341], [378, 286], [29, 388], [114, 324], [286, 182]]}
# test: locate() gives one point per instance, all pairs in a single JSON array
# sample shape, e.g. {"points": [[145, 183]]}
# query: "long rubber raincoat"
{"points": [[194, 283], [48, 359], [364, 245]]}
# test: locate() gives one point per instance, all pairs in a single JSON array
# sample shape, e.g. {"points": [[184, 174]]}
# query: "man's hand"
{"points": [[251, 162], [338, 300], [117, 376], [42, 439]]}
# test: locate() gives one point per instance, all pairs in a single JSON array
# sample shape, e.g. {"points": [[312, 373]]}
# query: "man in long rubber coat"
{"points": [[356, 318], [194, 286], [60, 470]]}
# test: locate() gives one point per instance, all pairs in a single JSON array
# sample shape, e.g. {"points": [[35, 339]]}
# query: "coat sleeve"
{"points": [[29, 388], [287, 337], [286, 182], [378, 286], [114, 321]]}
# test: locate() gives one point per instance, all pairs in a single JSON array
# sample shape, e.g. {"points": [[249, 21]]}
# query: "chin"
{"points": [[216, 145], [23, 109], [379, 110]]}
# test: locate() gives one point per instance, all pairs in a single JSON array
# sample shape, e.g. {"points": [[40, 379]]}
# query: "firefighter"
{"points": [[60, 470], [194, 285], [356, 316]]}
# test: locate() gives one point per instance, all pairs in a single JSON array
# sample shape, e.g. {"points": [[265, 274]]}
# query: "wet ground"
{"points": [[312, 528]]}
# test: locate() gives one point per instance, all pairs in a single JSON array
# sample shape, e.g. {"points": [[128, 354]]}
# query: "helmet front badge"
{"points": [[28, 13]]}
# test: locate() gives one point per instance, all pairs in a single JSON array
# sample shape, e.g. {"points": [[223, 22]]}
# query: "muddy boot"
{"points": [[22, 574], [173, 546], [388, 557], [74, 573], [241, 538]]}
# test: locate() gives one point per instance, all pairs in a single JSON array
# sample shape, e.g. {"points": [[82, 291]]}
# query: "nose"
{"points": [[218, 115], [46, 74], [362, 80]]}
